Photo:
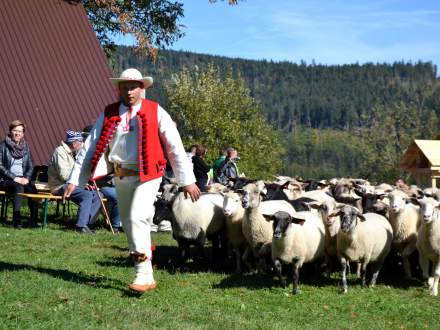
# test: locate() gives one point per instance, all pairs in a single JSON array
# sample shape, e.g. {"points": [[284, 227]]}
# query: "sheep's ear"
{"points": [[361, 217], [411, 200], [335, 214], [314, 205], [299, 221], [415, 201], [339, 206], [381, 195], [269, 217], [306, 206]]}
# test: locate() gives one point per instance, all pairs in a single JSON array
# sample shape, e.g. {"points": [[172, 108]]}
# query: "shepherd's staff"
{"points": [[107, 218]]}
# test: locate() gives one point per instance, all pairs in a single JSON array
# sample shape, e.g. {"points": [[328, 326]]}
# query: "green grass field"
{"points": [[57, 279]]}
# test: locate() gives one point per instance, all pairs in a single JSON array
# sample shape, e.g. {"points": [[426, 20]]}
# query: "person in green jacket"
{"points": [[218, 162]]}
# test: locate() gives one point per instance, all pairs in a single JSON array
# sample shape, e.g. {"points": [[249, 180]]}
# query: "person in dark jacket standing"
{"points": [[201, 169], [16, 168]]}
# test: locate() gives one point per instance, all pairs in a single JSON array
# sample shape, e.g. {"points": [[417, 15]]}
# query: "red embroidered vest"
{"points": [[151, 156]]}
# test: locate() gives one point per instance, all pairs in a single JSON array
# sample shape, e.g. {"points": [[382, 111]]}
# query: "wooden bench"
{"points": [[46, 197]]}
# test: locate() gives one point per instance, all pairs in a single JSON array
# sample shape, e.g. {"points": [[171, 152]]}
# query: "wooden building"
{"points": [[422, 161], [54, 74]]}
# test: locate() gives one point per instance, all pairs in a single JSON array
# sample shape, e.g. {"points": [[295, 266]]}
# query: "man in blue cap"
{"points": [[60, 166]]}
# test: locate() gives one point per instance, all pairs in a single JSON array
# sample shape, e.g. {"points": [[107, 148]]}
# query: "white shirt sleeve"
{"points": [[173, 147], [82, 169]]}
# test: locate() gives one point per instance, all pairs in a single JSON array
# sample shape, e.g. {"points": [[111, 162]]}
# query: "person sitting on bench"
{"points": [[16, 168], [60, 166]]}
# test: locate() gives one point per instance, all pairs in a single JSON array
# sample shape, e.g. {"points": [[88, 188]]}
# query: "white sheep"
{"points": [[297, 239], [404, 219], [257, 231], [195, 221], [364, 238], [331, 225], [234, 213], [428, 242]]}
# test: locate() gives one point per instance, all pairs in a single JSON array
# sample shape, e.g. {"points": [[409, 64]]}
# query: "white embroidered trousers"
{"points": [[136, 208]]}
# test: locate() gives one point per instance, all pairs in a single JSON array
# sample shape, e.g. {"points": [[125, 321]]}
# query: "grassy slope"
{"points": [[56, 279]]}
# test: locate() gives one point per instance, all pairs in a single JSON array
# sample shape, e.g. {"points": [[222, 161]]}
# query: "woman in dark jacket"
{"points": [[201, 169], [16, 168]]}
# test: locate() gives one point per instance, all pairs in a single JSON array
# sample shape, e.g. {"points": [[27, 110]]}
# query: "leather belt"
{"points": [[121, 171]]}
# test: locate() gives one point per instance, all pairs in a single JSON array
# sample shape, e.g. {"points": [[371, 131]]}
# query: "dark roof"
{"points": [[53, 72]]}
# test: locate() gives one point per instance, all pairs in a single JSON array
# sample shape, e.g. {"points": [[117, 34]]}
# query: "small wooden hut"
{"points": [[422, 161]]}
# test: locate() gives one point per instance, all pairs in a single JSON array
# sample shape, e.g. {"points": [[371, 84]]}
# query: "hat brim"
{"points": [[146, 81]]}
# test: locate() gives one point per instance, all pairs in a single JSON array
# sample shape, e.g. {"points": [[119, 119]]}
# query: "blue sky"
{"points": [[327, 31]]}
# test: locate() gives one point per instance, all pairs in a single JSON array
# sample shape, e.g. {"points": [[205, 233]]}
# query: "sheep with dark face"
{"points": [[364, 238], [297, 239]]}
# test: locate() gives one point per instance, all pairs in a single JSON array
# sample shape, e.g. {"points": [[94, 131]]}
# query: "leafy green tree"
{"points": [[153, 23], [219, 112], [388, 131]]}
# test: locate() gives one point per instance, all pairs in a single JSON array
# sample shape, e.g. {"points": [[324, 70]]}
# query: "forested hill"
{"points": [[315, 96], [348, 120]]}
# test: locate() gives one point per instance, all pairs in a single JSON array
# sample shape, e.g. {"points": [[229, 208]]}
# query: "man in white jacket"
{"points": [[131, 138]]}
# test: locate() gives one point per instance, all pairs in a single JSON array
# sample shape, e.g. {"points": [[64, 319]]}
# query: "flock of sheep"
{"points": [[289, 221]]}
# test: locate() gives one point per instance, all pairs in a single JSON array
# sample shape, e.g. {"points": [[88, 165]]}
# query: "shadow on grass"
{"points": [[98, 282], [167, 258], [308, 275], [116, 262], [250, 281]]}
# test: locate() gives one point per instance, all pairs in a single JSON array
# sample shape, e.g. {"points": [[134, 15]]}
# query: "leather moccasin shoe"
{"points": [[141, 288]]}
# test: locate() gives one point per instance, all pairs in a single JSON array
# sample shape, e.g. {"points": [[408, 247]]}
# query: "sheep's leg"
{"points": [[436, 273], [375, 268], [261, 258], [407, 251], [344, 287], [245, 257], [279, 272], [424, 265], [328, 265], [183, 253], [364, 274], [238, 268], [201, 250], [358, 269], [295, 277]]}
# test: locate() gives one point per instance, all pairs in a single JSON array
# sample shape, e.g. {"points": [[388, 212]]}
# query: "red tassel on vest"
{"points": [[151, 156]]}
